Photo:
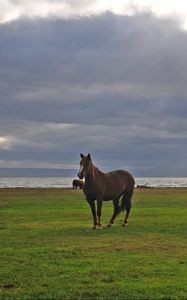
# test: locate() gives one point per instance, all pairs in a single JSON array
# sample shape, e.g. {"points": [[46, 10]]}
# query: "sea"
{"points": [[66, 182]]}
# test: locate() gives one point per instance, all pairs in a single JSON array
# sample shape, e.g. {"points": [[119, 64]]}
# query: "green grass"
{"points": [[49, 251]]}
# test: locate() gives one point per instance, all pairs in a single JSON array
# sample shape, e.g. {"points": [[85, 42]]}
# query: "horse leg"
{"points": [[116, 210], [92, 206], [99, 208], [128, 208]]}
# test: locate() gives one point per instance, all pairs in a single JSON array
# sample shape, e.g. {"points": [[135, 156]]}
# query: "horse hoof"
{"points": [[109, 225], [124, 224], [97, 227]]}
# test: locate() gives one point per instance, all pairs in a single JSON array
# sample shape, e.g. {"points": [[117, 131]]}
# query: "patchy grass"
{"points": [[49, 251]]}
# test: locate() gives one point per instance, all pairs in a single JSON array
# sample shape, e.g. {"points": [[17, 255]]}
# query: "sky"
{"points": [[102, 77]]}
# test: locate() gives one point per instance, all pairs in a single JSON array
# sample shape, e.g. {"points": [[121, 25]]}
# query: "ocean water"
{"points": [[162, 182], [52, 182]]}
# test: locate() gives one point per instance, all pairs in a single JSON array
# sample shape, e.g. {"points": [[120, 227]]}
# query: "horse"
{"points": [[77, 183], [101, 187]]}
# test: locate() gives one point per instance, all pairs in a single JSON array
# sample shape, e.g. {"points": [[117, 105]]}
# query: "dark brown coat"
{"points": [[77, 183]]}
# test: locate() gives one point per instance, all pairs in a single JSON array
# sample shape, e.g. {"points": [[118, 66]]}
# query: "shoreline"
{"points": [[66, 182], [71, 189]]}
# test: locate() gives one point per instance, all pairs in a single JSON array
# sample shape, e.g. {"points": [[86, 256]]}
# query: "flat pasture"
{"points": [[48, 249]]}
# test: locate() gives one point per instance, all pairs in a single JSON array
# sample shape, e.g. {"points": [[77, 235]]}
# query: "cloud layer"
{"points": [[19, 9], [115, 86]]}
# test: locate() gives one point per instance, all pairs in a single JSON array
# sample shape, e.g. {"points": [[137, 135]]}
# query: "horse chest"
{"points": [[92, 193]]}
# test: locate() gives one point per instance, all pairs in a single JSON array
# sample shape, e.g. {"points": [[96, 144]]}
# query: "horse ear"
{"points": [[81, 155], [89, 156]]}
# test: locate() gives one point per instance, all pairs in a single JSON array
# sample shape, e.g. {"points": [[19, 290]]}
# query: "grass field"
{"points": [[49, 251]]}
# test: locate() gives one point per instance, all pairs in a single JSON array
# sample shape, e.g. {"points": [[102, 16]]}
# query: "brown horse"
{"points": [[77, 183], [106, 186]]}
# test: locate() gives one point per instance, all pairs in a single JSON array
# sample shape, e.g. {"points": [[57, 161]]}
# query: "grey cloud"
{"points": [[117, 49], [110, 85]]}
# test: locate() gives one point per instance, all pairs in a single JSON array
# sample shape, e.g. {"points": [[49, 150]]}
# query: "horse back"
{"points": [[120, 178]]}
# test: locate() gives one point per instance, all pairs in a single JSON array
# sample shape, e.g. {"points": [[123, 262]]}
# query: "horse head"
{"points": [[85, 164]]}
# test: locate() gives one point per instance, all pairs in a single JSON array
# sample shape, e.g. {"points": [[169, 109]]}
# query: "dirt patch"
{"points": [[7, 286]]}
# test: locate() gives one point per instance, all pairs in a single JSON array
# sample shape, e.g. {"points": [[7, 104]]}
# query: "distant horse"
{"points": [[106, 186], [77, 183]]}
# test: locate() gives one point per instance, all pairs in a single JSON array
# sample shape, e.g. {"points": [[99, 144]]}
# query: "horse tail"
{"points": [[126, 201]]}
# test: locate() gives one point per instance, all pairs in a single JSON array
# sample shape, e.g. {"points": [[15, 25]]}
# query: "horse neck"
{"points": [[93, 174]]}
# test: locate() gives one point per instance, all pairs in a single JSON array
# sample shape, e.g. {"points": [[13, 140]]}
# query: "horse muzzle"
{"points": [[80, 175]]}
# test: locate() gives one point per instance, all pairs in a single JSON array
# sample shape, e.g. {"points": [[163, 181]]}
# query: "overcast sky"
{"points": [[109, 78]]}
